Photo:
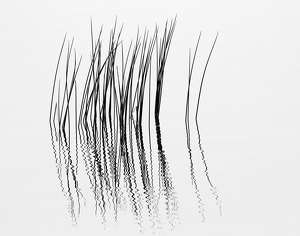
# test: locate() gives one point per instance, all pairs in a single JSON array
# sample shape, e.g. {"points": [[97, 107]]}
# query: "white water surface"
{"points": [[248, 118]]}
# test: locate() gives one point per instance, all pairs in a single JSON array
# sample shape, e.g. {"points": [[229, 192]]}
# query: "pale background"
{"points": [[249, 110]]}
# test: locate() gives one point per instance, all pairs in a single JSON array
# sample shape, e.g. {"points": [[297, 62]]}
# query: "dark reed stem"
{"points": [[162, 54], [145, 62], [89, 75], [189, 82], [66, 79], [76, 68], [55, 76], [202, 79]]}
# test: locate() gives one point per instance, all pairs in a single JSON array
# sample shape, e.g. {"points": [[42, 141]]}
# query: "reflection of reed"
{"points": [[213, 188], [142, 159], [130, 178], [88, 159], [70, 173], [166, 185], [57, 160], [192, 173], [70, 177], [112, 164], [153, 200], [99, 179], [147, 179]]}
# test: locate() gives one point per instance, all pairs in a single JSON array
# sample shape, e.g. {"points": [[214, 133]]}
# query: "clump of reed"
{"points": [[162, 51], [112, 103], [111, 92], [61, 108]]}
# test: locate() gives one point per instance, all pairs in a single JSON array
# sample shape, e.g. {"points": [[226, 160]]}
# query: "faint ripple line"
{"points": [[213, 188], [58, 162]]}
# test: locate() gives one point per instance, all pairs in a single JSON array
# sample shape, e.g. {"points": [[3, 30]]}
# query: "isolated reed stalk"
{"points": [[203, 75], [55, 77]]}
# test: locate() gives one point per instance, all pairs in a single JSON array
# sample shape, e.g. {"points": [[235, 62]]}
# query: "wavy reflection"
{"points": [[213, 188], [165, 180], [67, 175], [192, 172]]}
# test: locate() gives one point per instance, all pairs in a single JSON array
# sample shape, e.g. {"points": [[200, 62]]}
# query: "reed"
{"points": [[108, 91], [145, 62], [61, 109], [162, 51], [203, 75], [191, 66], [55, 78]]}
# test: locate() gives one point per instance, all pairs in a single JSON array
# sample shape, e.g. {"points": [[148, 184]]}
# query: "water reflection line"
{"points": [[63, 150], [76, 132], [57, 161], [213, 188], [153, 212], [70, 171], [88, 163], [153, 201], [129, 173], [193, 178], [146, 178], [105, 151], [112, 168], [165, 180]]}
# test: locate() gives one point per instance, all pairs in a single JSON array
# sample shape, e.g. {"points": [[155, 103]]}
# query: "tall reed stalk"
{"points": [[162, 51]]}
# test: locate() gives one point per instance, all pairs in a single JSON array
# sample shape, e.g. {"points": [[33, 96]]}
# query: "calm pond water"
{"points": [[235, 173]]}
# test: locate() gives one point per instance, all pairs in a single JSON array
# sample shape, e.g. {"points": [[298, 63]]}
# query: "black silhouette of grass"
{"points": [[191, 66], [145, 62], [55, 78], [162, 51], [108, 90], [203, 75]]}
